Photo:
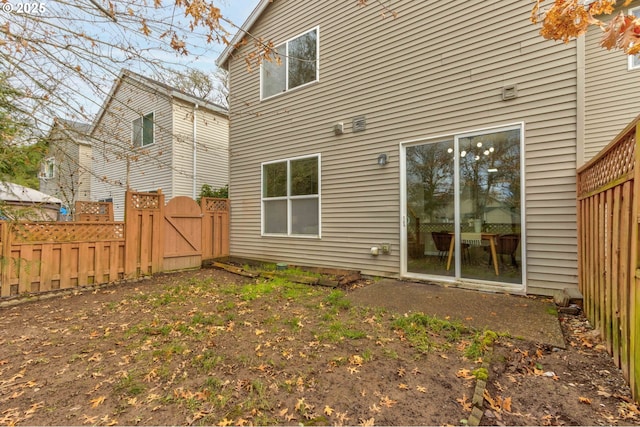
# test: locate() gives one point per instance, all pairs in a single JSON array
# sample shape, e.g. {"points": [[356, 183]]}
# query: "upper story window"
{"points": [[142, 131], [49, 168], [291, 197], [295, 64], [634, 60]]}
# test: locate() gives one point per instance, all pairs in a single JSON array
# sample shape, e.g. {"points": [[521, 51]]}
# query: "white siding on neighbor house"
{"points": [[412, 77], [72, 177], [212, 145], [150, 167], [611, 91]]}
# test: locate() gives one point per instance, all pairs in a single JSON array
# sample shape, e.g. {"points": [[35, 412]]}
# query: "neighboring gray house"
{"points": [[66, 170], [150, 136], [368, 132], [18, 202]]}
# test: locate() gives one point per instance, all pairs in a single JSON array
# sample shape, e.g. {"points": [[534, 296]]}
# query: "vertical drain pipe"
{"points": [[195, 149]]}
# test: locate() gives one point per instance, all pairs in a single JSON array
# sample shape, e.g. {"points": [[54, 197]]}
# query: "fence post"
{"points": [[158, 236], [5, 259], [131, 237], [634, 282]]}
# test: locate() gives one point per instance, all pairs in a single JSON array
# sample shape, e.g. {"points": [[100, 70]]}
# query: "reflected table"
{"points": [[475, 239]]}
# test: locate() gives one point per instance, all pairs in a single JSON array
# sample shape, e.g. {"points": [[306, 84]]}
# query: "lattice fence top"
{"points": [[92, 208], [614, 163], [216, 205], [145, 201], [32, 232]]}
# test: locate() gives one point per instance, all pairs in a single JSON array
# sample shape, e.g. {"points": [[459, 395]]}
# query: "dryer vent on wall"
{"points": [[509, 92]]}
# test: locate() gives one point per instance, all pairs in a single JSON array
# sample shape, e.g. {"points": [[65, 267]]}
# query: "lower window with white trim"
{"points": [[291, 197]]}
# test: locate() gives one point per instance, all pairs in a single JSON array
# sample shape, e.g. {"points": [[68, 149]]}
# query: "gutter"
{"points": [[195, 149]]}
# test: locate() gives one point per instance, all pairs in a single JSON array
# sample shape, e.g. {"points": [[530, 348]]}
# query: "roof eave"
{"points": [[226, 53]]}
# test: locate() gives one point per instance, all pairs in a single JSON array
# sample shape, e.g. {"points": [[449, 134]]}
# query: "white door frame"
{"points": [[463, 282]]}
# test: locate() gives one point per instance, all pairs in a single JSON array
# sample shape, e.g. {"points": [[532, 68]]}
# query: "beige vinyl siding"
{"points": [[413, 77], [610, 89], [212, 159], [150, 167]]}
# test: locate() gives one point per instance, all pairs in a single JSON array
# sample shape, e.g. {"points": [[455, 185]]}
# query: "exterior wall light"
{"points": [[382, 159]]}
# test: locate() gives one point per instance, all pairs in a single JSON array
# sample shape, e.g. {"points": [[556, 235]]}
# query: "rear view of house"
{"points": [[150, 136], [407, 146]]}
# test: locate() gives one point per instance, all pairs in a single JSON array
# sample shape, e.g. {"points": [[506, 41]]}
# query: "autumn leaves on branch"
{"points": [[567, 19]]}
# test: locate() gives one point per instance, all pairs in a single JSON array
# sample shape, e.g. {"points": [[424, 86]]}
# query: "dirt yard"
{"points": [[212, 348]]}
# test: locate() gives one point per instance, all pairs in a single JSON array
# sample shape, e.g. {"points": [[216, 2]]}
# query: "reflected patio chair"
{"points": [[442, 240], [507, 244]]}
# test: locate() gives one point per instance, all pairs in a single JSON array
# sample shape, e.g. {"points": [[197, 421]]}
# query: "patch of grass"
{"points": [[129, 385], [482, 341], [203, 319], [552, 310], [295, 291], [338, 331], [423, 331], [337, 299], [390, 353], [208, 360], [254, 291], [367, 355], [481, 374], [294, 323], [168, 351]]}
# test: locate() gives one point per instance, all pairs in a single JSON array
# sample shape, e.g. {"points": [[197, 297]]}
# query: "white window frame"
{"points": [[153, 130], [634, 60], [49, 165], [285, 60], [289, 198]]}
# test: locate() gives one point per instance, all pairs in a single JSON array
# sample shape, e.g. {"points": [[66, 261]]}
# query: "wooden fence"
{"points": [[45, 256], [93, 211], [608, 191]]}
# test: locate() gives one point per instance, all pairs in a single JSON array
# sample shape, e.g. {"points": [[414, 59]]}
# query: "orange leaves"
{"points": [[465, 403], [568, 19], [498, 403], [622, 32], [464, 374], [97, 401]]}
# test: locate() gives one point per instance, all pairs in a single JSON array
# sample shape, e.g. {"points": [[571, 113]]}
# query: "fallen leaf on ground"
{"points": [[585, 400], [328, 410], [465, 374], [464, 402], [97, 401]]}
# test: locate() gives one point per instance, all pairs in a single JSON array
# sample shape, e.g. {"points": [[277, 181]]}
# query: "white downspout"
{"points": [[195, 150]]}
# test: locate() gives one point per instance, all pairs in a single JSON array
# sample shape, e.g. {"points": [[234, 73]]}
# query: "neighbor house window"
{"points": [[634, 60], [291, 197], [49, 168], [143, 131], [294, 64]]}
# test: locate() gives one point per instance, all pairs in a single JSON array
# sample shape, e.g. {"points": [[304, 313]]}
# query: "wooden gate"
{"points": [[182, 234]]}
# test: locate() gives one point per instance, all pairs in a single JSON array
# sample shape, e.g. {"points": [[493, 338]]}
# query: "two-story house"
{"points": [[66, 170], [150, 136], [441, 144]]}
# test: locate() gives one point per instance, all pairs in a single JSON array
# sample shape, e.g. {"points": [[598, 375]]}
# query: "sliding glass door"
{"points": [[463, 207]]}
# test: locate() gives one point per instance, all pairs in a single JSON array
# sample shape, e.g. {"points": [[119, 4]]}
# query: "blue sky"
{"points": [[235, 10]]}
